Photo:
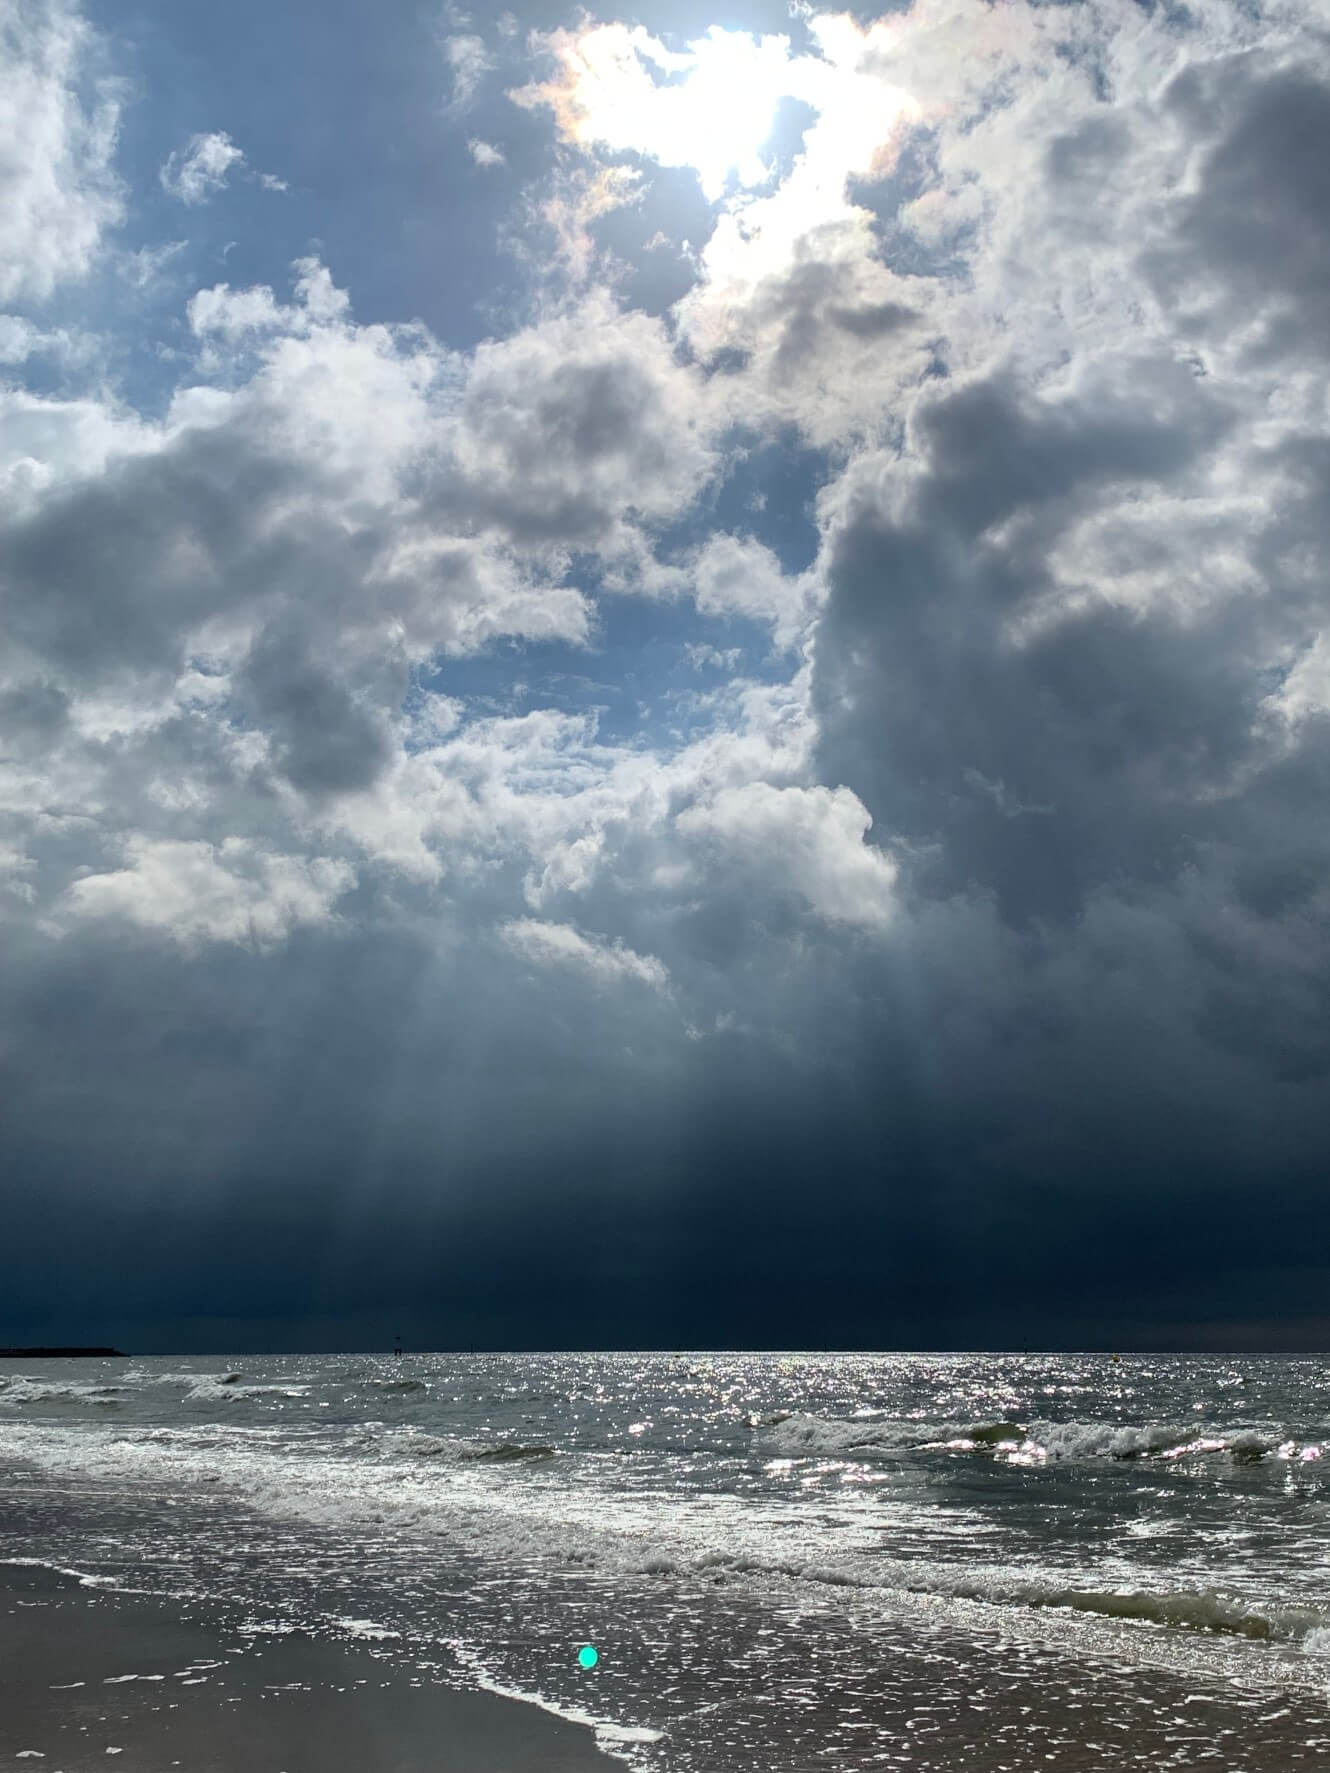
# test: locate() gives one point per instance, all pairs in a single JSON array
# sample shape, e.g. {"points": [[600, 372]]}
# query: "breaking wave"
{"points": [[829, 1437], [19, 1389], [228, 1389], [1187, 1610], [1200, 1610]]}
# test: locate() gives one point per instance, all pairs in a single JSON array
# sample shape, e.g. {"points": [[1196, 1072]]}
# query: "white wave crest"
{"points": [[365, 1629], [228, 1390], [19, 1389], [802, 1435], [860, 1437]]}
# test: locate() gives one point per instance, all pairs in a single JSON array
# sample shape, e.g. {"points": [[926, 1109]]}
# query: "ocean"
{"points": [[785, 1562]]}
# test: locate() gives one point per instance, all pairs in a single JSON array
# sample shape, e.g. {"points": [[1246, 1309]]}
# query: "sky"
{"points": [[664, 675]]}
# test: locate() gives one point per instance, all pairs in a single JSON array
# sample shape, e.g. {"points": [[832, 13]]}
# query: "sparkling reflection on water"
{"points": [[786, 1562]]}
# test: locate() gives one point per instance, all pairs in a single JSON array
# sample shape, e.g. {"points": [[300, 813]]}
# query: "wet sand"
{"points": [[205, 1700]]}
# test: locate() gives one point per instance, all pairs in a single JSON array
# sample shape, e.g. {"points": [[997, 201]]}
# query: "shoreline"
{"points": [[91, 1671]]}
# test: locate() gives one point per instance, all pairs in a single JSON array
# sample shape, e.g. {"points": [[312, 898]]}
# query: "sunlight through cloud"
{"points": [[711, 107]]}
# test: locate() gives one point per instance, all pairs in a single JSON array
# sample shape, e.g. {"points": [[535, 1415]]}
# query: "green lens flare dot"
{"points": [[588, 1656]]}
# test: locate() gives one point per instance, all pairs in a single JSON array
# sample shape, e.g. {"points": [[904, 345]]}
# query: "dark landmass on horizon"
{"points": [[59, 1354]]}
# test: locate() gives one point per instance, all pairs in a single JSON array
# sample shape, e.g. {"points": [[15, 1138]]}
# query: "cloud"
{"points": [[358, 677], [809, 839], [734, 575], [144, 268], [198, 892], [790, 278], [1248, 243], [559, 945], [927, 678], [20, 340], [468, 62], [200, 169], [49, 441], [578, 426], [710, 106], [325, 739], [235, 313], [484, 153], [58, 125], [209, 526]]}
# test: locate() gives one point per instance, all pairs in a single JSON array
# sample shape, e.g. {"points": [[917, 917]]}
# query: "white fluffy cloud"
{"points": [[200, 892], [199, 169], [734, 575], [48, 442], [560, 945], [202, 167], [808, 839], [58, 124], [575, 428]]}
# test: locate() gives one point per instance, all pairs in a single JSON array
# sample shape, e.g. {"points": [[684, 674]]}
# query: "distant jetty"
{"points": [[58, 1354]]}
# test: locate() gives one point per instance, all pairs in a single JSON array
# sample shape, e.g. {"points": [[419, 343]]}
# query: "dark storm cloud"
{"points": [[991, 454], [1252, 242], [109, 582], [325, 740], [1044, 766], [33, 713], [1107, 800], [111, 575], [355, 1131]]}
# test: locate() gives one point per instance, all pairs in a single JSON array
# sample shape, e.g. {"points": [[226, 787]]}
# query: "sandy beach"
{"points": [[90, 1674]]}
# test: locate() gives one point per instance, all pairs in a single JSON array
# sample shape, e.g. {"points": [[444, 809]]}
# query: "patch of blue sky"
{"points": [[221, 704], [653, 663], [680, 22], [57, 364], [349, 107], [794, 118], [768, 493], [913, 173], [913, 170], [661, 655], [656, 238], [647, 675], [510, 678], [358, 114]]}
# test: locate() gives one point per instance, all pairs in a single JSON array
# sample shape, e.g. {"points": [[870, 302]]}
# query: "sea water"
{"points": [[785, 1562]]}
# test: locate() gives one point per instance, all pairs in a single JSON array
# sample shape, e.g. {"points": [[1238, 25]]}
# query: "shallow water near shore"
{"points": [[788, 1562], [90, 1671]]}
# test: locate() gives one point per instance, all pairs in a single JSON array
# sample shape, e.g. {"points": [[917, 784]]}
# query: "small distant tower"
{"points": [[397, 1345]]}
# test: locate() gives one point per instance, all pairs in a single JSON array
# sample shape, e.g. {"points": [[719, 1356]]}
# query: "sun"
{"points": [[711, 106]]}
